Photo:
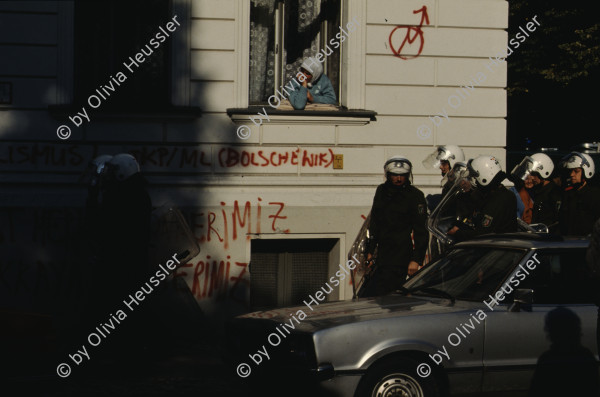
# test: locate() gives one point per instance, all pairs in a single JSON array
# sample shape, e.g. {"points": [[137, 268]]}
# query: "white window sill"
{"points": [[322, 117]]}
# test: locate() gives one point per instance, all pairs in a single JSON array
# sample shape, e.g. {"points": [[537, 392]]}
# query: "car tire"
{"points": [[397, 376]]}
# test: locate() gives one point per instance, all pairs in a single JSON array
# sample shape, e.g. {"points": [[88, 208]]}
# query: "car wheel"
{"points": [[397, 377]]}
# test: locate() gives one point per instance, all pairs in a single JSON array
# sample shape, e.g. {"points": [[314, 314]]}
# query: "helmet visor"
{"points": [[470, 175], [397, 167], [435, 158], [457, 170], [524, 168], [94, 172]]}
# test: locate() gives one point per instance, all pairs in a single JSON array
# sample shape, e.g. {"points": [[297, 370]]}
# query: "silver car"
{"points": [[470, 322]]}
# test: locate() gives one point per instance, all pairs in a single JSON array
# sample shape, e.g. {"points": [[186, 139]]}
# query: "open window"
{"points": [[282, 34], [277, 36]]}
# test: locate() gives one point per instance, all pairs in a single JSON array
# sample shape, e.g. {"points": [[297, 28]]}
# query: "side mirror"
{"points": [[523, 298]]}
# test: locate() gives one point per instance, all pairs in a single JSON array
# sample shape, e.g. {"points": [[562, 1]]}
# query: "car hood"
{"points": [[326, 315]]}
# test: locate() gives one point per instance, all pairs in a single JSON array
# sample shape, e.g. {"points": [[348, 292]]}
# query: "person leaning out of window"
{"points": [[315, 86]]}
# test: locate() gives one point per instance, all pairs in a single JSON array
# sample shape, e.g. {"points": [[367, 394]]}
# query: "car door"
{"points": [[515, 339]]}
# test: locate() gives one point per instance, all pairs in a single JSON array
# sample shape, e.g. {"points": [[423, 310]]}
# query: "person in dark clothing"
{"points": [[87, 302], [456, 206], [548, 199], [593, 269], [399, 210], [126, 213], [495, 207], [580, 207], [546, 206], [568, 368], [125, 228], [95, 179], [547, 195]]}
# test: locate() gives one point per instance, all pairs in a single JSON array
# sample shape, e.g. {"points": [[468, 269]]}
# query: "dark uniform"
{"points": [[397, 212], [579, 209], [126, 227], [495, 212], [126, 212], [546, 205], [593, 266], [446, 188]]}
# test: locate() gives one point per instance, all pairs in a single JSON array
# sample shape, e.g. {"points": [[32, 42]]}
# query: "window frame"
{"points": [[352, 96], [279, 43], [584, 300], [460, 251], [179, 74]]}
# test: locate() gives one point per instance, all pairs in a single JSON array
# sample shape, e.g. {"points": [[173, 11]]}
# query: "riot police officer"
{"points": [[580, 205], [125, 229], [445, 157], [495, 207], [399, 210], [546, 194]]}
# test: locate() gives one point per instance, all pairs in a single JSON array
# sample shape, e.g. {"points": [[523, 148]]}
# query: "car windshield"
{"points": [[466, 273]]}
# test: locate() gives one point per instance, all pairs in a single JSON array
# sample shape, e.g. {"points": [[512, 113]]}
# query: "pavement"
{"points": [[197, 371]]}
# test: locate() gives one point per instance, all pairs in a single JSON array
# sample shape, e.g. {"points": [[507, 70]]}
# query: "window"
{"points": [[107, 33], [284, 272], [560, 278], [282, 34], [469, 274]]}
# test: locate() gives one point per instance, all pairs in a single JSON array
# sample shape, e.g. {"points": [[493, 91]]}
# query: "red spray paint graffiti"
{"points": [[418, 33], [26, 156], [228, 279], [231, 157], [211, 277], [210, 225]]}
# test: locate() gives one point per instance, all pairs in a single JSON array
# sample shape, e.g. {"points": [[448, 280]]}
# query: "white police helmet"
{"points": [[123, 166], [96, 170], [398, 165], [539, 162], [483, 169], [579, 160]]}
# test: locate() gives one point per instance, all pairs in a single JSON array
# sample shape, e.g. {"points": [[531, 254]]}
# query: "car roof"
{"points": [[525, 240]]}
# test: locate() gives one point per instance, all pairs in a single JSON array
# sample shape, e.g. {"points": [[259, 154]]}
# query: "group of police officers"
{"points": [[560, 198]]}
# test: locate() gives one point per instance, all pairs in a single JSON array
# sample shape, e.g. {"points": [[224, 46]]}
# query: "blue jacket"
{"points": [[322, 92]]}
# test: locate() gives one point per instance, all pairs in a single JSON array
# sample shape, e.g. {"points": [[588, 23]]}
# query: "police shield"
{"points": [[171, 235], [455, 208], [450, 210], [361, 275], [175, 307]]}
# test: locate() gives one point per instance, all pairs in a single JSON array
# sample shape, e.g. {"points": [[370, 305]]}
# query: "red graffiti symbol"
{"points": [[276, 216], [417, 33]]}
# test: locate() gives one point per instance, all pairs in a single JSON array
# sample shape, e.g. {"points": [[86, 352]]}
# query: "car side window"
{"points": [[560, 278]]}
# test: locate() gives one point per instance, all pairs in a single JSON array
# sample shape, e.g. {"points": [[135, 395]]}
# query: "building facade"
{"points": [[275, 205]]}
